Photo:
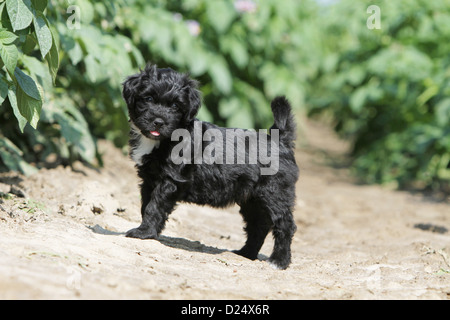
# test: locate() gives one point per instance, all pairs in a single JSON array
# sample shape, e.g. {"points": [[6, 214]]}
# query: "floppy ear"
{"points": [[195, 100], [130, 86]]}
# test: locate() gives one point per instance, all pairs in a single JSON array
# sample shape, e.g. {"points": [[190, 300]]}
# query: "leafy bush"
{"points": [[388, 89], [78, 105], [23, 26], [243, 52]]}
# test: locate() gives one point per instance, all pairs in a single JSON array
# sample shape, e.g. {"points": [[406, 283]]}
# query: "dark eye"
{"points": [[149, 99], [174, 106]]}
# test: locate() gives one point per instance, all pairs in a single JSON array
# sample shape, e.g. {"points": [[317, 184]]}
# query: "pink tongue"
{"points": [[155, 133]]}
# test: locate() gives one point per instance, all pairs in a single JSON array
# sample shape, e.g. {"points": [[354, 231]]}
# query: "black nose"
{"points": [[158, 123]]}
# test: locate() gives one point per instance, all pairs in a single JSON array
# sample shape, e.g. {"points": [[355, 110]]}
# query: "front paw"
{"points": [[141, 233]]}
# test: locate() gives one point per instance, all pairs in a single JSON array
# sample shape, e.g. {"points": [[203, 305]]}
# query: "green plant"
{"points": [[23, 26], [243, 57], [388, 90], [85, 83]]}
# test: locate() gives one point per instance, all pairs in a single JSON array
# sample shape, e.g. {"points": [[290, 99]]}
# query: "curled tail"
{"points": [[284, 121]]}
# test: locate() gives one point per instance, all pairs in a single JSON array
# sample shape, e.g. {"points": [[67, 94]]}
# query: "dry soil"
{"points": [[62, 237]]}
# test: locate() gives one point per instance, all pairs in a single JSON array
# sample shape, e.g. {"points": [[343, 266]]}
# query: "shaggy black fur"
{"points": [[162, 100]]}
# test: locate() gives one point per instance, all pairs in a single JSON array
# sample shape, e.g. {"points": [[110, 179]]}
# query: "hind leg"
{"points": [[258, 225], [283, 231]]}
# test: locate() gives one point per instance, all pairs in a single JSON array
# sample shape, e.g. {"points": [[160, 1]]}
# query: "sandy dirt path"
{"points": [[65, 238]]}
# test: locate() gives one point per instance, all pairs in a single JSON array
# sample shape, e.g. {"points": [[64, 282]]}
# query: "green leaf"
{"points": [[137, 56], [87, 10], [20, 13], [29, 107], [204, 114], [73, 49], [7, 37], [220, 14], [9, 55], [12, 157], [53, 59], [77, 134], [29, 44], [13, 102], [9, 153], [220, 75], [236, 49], [197, 61], [26, 168], [443, 112], [236, 112], [3, 89], [358, 99], [38, 71], [2, 5], [227, 107], [94, 70], [43, 34], [243, 118], [239, 54], [27, 84], [39, 5]]}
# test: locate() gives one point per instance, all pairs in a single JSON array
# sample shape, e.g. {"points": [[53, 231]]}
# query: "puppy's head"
{"points": [[160, 101]]}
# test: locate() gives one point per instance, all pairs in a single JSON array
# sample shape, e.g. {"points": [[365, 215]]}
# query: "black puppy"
{"points": [[161, 102]]}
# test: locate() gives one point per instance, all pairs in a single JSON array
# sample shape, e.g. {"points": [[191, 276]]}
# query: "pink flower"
{"points": [[242, 6], [193, 27]]}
